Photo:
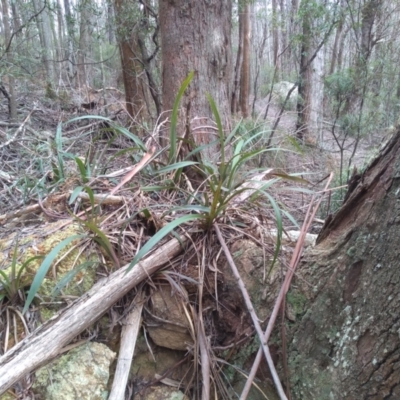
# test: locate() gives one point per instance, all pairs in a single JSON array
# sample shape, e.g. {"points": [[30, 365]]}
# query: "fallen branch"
{"points": [[129, 334], [48, 340]]}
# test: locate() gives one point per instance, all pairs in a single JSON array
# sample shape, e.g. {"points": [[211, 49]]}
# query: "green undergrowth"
{"points": [[172, 202]]}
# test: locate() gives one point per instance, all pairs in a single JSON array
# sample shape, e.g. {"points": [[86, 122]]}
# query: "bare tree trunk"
{"points": [[238, 66], [131, 59], [196, 36], [12, 105], [338, 39], [317, 95], [275, 40], [368, 15], [260, 45], [305, 81], [293, 30], [70, 46], [45, 38], [245, 73], [85, 32]]}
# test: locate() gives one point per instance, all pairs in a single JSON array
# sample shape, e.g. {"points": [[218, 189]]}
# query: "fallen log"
{"points": [[48, 340]]}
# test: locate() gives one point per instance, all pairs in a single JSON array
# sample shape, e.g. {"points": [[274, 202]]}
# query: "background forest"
{"points": [[233, 118], [341, 56]]}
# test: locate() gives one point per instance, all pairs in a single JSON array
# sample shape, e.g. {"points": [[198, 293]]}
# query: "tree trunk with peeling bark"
{"points": [[346, 345], [196, 36]]}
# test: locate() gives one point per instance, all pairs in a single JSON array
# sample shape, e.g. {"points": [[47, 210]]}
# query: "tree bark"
{"points": [[245, 74], [131, 59], [346, 345], [238, 67], [85, 32], [305, 76], [275, 40], [70, 45], [12, 104], [45, 38], [47, 341], [196, 36]]}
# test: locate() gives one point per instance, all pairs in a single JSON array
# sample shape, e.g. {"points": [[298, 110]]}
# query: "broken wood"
{"points": [[129, 335], [48, 340]]}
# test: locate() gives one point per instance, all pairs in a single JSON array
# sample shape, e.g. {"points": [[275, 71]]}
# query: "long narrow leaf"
{"points": [[82, 169], [200, 149], [174, 119], [69, 276], [102, 240], [219, 126], [175, 166], [44, 267], [160, 235], [233, 133], [114, 127], [74, 195]]}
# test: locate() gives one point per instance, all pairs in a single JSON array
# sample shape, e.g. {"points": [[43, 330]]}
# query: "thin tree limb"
{"points": [[129, 334], [264, 345]]}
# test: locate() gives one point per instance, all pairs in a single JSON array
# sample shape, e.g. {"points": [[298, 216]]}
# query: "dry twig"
{"points": [[285, 287], [264, 345]]}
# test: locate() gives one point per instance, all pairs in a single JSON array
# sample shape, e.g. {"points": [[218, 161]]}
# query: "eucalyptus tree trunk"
{"points": [[128, 21], [317, 95], [45, 36], [339, 38], [12, 105], [110, 23], [275, 39], [238, 65], [61, 36], [196, 36], [365, 45], [245, 73], [305, 76], [70, 45], [85, 32], [316, 30]]}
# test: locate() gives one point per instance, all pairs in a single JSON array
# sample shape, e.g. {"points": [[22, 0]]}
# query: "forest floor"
{"points": [[38, 160]]}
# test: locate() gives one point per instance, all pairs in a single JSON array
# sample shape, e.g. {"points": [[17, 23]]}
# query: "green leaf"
{"points": [[201, 148], [58, 137], [175, 166], [233, 133], [90, 193], [114, 127], [219, 126], [156, 188], [75, 194], [102, 240], [160, 235], [69, 276], [290, 217], [44, 267], [82, 169], [173, 141]]}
